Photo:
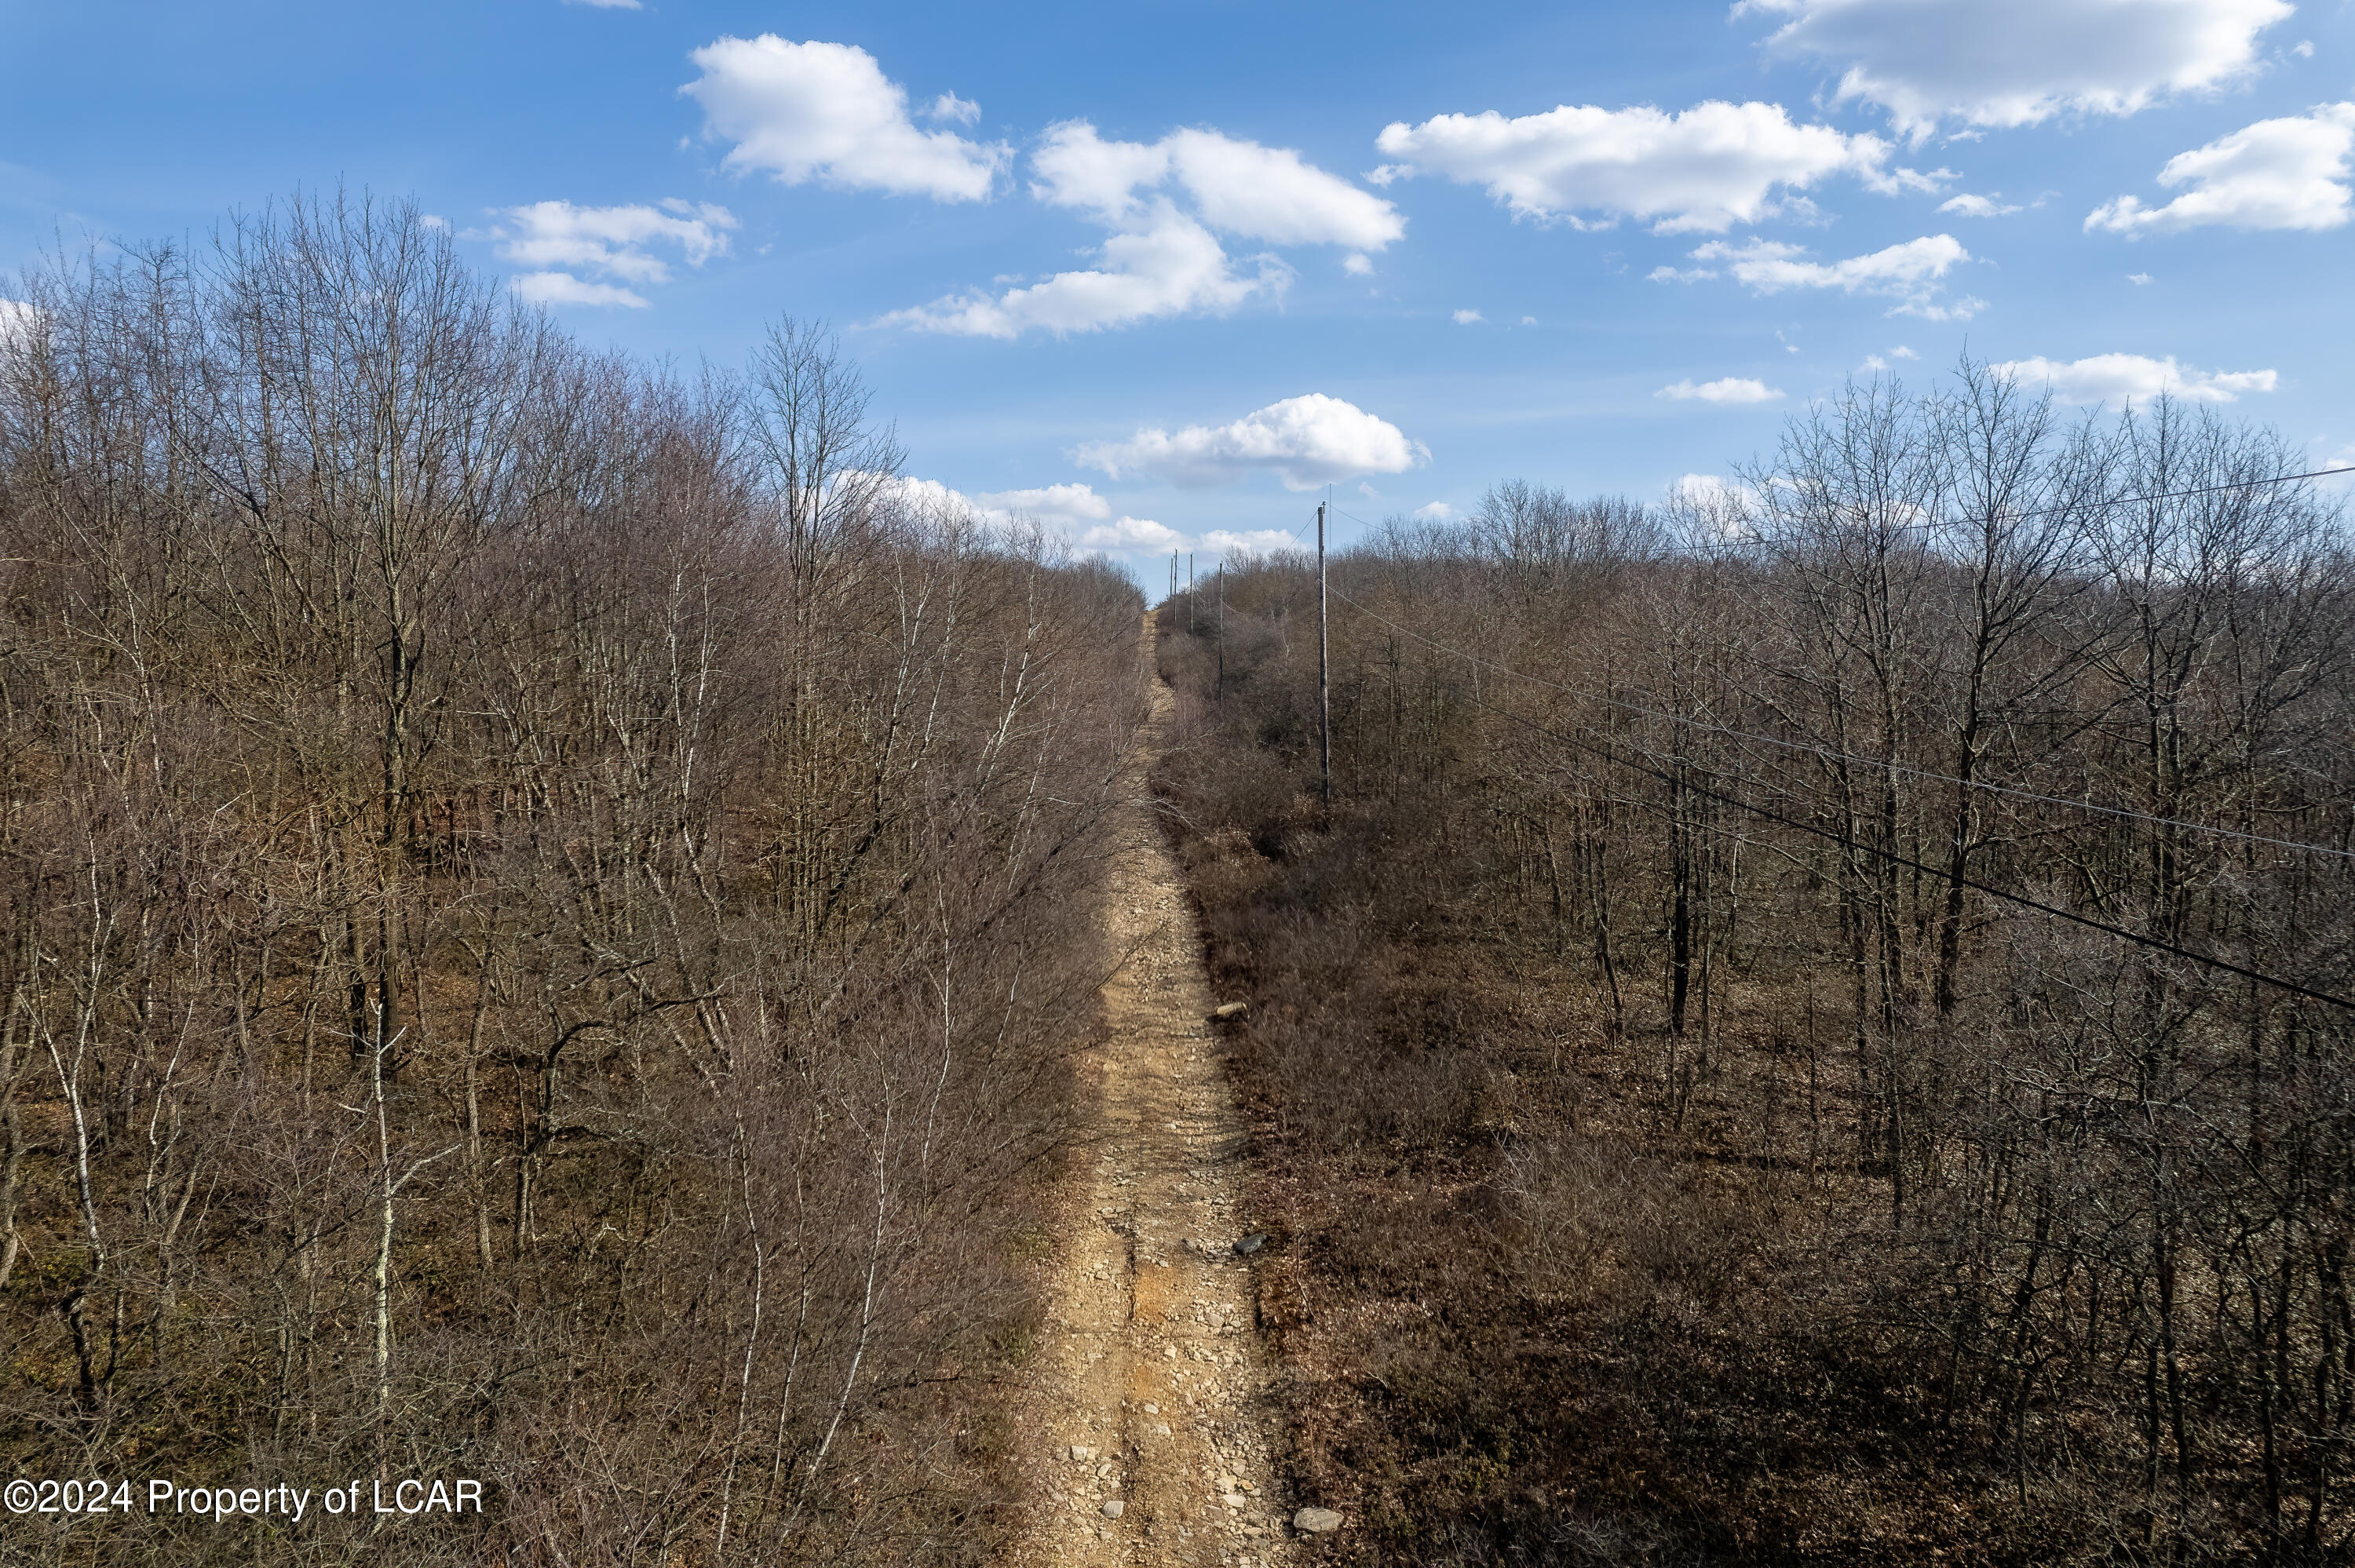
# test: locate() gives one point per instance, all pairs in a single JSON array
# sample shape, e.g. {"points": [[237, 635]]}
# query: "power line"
{"points": [[2137, 938], [1834, 754], [1608, 755], [1730, 545]]}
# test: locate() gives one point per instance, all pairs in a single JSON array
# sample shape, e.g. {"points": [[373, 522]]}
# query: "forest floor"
{"points": [[1152, 1436]]}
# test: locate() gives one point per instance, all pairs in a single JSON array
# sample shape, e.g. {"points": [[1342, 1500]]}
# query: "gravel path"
{"points": [[1151, 1443]]}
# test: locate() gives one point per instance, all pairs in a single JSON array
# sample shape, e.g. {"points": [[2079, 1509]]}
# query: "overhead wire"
{"points": [[2121, 932], [1609, 754], [1834, 754]]}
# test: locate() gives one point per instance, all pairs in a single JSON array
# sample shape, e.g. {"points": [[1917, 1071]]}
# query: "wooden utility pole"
{"points": [[1192, 624], [1323, 672], [1223, 629]]}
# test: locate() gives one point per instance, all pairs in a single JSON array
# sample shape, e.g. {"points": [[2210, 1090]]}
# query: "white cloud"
{"points": [[2019, 62], [613, 240], [1257, 542], [2127, 378], [2139, 279], [1468, 318], [1074, 513], [827, 111], [1358, 264], [1705, 169], [1171, 266], [1873, 362], [1236, 187], [2303, 48], [1911, 273], [949, 106], [1968, 205], [925, 495], [1731, 389], [1130, 534], [19, 322], [1053, 504], [1528, 321], [564, 289], [1162, 258], [2276, 174], [1305, 441], [1715, 508], [1902, 351], [1437, 512]]}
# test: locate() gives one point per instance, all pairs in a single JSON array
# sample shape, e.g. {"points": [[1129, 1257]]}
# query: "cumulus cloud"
{"points": [[1237, 188], [1169, 266], [949, 106], [2276, 174], [1074, 513], [564, 289], [1128, 534], [1911, 273], [1358, 264], [1305, 441], [2019, 62], [616, 241], [1049, 503], [1709, 508], [1731, 389], [1253, 542], [1468, 318], [1968, 205], [827, 111], [1706, 169], [2127, 378], [17, 319], [1162, 202], [1436, 511]]}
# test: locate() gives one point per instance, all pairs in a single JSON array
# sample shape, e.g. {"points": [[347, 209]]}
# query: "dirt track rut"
{"points": [[1150, 1438]]}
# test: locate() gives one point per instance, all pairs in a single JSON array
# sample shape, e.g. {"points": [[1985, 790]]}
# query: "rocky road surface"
{"points": [[1150, 1438]]}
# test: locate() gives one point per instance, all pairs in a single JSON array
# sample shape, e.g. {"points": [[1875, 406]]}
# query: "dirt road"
{"points": [[1150, 1441]]}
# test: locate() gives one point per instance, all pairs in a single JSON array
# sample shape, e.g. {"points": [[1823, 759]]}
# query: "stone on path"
{"points": [[1315, 1521]]}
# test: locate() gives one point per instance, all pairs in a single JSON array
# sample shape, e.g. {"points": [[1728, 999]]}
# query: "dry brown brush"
{"points": [[1683, 1150], [544, 912]]}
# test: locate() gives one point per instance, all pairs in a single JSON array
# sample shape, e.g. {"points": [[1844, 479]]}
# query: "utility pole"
{"points": [[1323, 671], [1191, 624], [1223, 629]]}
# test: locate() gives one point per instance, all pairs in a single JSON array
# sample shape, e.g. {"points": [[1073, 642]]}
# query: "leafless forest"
{"points": [[549, 914], [1682, 1151], [545, 922]]}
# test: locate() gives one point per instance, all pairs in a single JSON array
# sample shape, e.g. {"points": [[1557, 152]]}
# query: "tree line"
{"points": [[1867, 945], [544, 921]]}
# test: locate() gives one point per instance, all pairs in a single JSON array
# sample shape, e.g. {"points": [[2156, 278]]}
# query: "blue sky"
{"points": [[1158, 272]]}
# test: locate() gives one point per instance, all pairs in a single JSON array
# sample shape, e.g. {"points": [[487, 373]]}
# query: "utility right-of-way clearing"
{"points": [[1151, 1438]]}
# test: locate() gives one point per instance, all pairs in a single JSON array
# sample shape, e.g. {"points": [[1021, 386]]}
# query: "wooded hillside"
{"points": [[1693, 1141], [544, 912]]}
